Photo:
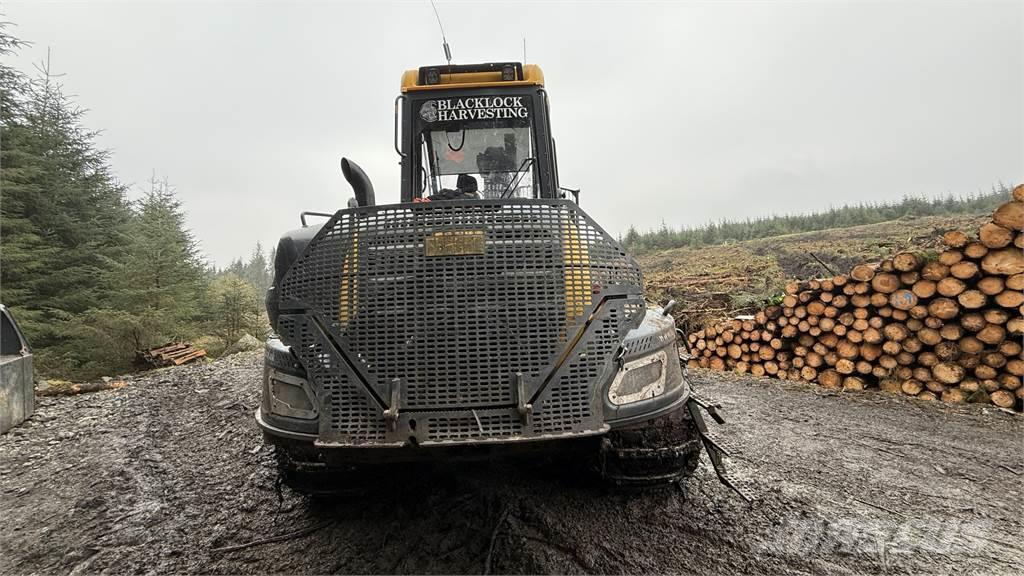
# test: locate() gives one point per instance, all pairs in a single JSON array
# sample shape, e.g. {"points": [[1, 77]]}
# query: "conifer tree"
{"points": [[159, 285], [63, 215]]}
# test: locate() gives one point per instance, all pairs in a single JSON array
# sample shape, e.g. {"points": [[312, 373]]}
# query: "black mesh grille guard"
{"points": [[401, 296]]}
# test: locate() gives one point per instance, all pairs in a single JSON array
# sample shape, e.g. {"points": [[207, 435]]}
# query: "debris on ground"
{"points": [[715, 281], [63, 387]]}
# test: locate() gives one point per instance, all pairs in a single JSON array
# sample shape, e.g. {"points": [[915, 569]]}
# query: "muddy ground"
{"points": [[168, 473]]}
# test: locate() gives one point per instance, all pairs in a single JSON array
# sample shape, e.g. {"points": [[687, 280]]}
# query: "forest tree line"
{"points": [[725, 231], [90, 274]]}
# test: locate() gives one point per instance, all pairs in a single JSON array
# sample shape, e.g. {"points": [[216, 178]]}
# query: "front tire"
{"points": [[658, 452]]}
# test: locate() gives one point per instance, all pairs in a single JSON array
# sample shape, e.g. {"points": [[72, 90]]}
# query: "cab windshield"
{"points": [[471, 149]]}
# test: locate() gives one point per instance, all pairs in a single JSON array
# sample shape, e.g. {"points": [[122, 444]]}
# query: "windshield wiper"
{"points": [[517, 178]]}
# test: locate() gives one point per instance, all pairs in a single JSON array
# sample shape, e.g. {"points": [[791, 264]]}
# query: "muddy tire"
{"points": [[659, 452]]}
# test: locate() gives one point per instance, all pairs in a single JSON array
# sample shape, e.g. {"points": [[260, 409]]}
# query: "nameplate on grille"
{"points": [[455, 243]]}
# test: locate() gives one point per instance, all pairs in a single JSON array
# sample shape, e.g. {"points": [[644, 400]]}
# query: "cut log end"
{"points": [[955, 239]]}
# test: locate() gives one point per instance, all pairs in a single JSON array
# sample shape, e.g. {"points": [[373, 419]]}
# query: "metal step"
{"points": [[717, 447], [745, 487]]}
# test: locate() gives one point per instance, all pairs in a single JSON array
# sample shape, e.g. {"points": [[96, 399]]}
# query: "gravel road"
{"points": [[168, 473]]}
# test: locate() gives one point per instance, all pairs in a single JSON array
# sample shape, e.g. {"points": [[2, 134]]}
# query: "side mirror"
{"points": [[360, 182], [575, 193]]}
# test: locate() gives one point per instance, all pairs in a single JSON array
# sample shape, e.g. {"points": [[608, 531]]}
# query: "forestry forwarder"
{"points": [[484, 314]]}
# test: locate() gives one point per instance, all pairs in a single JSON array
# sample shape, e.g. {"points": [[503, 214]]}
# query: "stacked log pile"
{"points": [[947, 328], [171, 354]]}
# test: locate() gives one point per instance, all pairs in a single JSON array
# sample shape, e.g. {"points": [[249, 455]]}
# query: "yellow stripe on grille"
{"points": [[576, 258], [348, 294]]}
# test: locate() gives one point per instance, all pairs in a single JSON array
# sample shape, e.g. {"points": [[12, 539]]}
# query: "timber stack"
{"points": [[170, 354], [948, 327]]}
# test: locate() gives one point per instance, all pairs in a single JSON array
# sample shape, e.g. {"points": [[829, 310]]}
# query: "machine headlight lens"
{"points": [[639, 380], [290, 396]]}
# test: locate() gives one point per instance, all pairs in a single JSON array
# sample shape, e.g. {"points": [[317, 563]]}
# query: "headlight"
{"points": [[290, 396], [639, 379]]}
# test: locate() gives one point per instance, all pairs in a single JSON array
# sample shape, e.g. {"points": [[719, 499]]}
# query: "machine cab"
{"points": [[475, 131]]}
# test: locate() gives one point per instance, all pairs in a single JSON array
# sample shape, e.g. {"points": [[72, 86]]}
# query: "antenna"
{"points": [[524, 49], [447, 50]]}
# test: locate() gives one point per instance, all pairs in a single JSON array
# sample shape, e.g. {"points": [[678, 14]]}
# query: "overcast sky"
{"points": [[662, 111]]}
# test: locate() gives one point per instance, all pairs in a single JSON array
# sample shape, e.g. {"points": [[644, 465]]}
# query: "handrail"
{"points": [[397, 148], [302, 216]]}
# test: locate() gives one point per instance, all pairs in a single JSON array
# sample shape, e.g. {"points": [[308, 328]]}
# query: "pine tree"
{"points": [[90, 276], [256, 270], [160, 284], [235, 309], [64, 218]]}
